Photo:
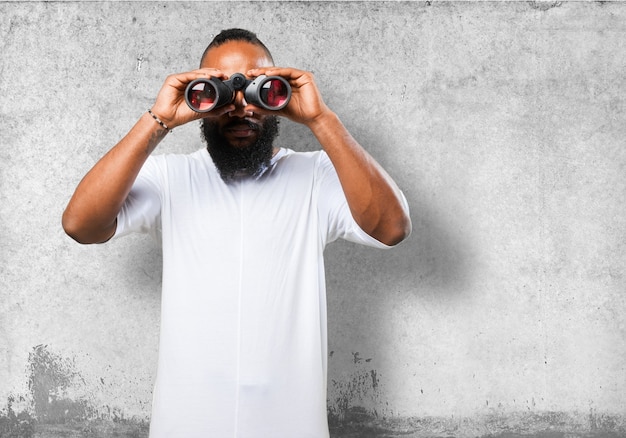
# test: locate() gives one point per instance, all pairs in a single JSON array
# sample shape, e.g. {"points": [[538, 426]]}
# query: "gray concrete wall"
{"points": [[505, 125]]}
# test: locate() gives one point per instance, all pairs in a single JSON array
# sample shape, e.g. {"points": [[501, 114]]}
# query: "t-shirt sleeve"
{"points": [[141, 210], [334, 210]]}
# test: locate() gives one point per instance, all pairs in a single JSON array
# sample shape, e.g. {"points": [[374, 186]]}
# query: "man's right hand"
{"points": [[170, 105]]}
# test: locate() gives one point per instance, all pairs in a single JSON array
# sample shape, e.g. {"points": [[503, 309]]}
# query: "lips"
{"points": [[241, 131]]}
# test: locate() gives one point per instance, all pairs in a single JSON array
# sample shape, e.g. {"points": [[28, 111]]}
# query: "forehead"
{"points": [[236, 57]]}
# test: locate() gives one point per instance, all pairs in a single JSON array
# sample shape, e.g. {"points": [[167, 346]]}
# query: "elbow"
{"points": [[393, 232], [398, 232], [80, 232], [406, 228], [72, 228]]}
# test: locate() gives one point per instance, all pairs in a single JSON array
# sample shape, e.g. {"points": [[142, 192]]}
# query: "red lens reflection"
{"points": [[202, 96], [274, 93]]}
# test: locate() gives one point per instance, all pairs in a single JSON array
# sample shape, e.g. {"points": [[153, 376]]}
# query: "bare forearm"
{"points": [[90, 216], [374, 199]]}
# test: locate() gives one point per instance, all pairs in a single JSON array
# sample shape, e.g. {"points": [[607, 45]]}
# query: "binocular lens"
{"points": [[274, 93], [202, 96]]}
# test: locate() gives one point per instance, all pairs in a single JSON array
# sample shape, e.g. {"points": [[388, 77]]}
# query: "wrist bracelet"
{"points": [[159, 121]]}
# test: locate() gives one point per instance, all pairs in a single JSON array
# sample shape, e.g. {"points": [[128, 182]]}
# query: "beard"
{"points": [[233, 162]]}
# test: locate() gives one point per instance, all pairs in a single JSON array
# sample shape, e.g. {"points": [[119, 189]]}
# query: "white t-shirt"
{"points": [[243, 348]]}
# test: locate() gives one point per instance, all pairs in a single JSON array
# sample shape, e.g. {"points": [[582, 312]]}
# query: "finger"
{"points": [[287, 73], [181, 80], [211, 73]]}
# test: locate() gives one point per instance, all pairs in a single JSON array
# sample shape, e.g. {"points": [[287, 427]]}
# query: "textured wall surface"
{"points": [[504, 124]]}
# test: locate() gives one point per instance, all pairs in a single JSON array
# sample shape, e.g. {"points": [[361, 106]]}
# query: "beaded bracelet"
{"points": [[159, 121]]}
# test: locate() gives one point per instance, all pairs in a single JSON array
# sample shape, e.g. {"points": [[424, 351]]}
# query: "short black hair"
{"points": [[236, 34]]}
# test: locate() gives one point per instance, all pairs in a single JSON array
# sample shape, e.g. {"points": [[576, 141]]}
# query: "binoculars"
{"points": [[269, 92]]}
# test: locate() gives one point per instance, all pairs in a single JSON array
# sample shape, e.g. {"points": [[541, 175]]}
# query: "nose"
{"points": [[240, 103]]}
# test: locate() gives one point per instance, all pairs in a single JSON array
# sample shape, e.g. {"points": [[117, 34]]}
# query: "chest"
{"points": [[201, 208]]}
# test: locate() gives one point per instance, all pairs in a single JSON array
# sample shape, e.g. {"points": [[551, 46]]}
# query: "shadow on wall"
{"points": [[437, 257]]}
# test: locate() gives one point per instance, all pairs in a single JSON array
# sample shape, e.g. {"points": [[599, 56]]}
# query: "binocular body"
{"points": [[269, 92]]}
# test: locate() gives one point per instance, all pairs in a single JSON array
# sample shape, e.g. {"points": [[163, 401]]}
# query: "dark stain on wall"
{"points": [[518, 425], [15, 425], [356, 400], [52, 409], [544, 5], [51, 377], [351, 395]]}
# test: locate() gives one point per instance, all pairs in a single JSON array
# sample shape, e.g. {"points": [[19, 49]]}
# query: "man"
{"points": [[243, 227]]}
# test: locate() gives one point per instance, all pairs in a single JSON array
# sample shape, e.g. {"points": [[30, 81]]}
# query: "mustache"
{"points": [[241, 123]]}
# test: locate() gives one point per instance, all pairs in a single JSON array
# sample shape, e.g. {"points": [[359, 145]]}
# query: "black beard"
{"points": [[233, 162]]}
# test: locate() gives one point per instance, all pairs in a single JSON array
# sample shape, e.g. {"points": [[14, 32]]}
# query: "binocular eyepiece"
{"points": [[269, 92]]}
